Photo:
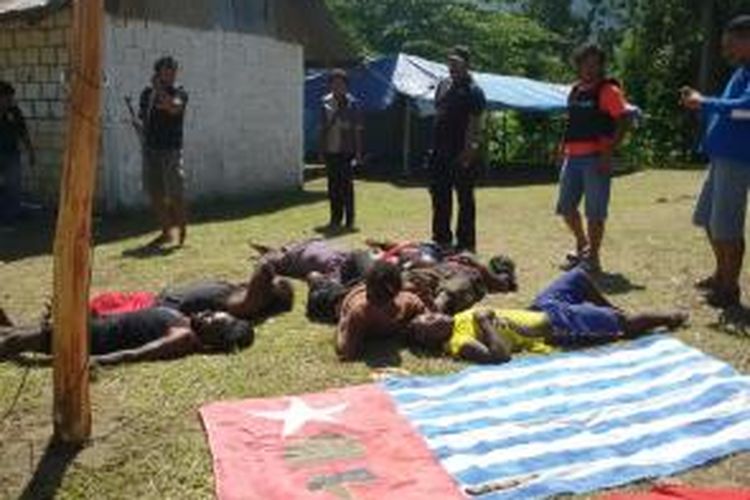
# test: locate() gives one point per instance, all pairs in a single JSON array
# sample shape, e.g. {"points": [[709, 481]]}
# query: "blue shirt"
{"points": [[728, 132]]}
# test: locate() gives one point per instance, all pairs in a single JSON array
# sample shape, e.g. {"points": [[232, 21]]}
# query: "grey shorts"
{"points": [[579, 176], [722, 203], [163, 176]]}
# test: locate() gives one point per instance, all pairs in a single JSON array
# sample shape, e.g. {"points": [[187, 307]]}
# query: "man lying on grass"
{"points": [[153, 334], [376, 309], [571, 312], [447, 286], [263, 295]]}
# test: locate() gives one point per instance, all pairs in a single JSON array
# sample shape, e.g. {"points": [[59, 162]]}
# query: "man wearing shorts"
{"points": [[723, 201], [162, 113], [597, 123]]}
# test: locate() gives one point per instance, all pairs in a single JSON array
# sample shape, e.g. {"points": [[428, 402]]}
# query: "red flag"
{"points": [[346, 443]]}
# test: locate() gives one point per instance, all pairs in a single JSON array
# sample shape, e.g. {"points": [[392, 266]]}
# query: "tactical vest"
{"points": [[586, 120]]}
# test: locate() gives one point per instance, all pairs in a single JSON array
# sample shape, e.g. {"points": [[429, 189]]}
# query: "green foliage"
{"points": [[500, 41]]}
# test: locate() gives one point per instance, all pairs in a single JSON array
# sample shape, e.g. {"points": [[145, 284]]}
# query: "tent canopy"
{"points": [[378, 83]]}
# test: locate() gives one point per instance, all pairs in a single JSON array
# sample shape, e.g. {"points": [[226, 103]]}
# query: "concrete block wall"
{"points": [[34, 58], [243, 132]]}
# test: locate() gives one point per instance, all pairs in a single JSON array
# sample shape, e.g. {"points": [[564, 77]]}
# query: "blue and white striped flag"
{"points": [[579, 422]]}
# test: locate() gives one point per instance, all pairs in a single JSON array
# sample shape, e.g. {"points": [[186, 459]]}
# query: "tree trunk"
{"points": [[72, 260]]}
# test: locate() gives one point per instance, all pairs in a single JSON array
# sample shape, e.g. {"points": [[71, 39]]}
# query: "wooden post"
{"points": [[72, 260], [406, 161]]}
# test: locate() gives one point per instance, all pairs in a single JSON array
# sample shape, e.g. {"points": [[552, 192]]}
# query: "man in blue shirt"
{"points": [[723, 201]]}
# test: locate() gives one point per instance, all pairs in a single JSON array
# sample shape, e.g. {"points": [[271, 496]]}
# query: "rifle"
{"points": [[137, 126]]}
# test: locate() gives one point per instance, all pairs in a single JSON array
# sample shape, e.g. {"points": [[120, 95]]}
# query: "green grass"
{"points": [[148, 441]]}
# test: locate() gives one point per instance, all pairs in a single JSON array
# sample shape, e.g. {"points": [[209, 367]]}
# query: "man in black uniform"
{"points": [[162, 114], [13, 133], [460, 104]]}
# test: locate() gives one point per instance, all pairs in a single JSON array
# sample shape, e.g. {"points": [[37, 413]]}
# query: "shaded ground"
{"points": [[147, 439]]}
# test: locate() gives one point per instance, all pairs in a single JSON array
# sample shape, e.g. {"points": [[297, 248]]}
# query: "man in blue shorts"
{"points": [[597, 123], [571, 312], [723, 201]]}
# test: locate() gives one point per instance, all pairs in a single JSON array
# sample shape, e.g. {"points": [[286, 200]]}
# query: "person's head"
{"points": [[736, 40], [282, 296], [383, 282], [459, 61], [7, 94], [165, 70], [221, 332], [590, 62], [338, 82], [431, 330]]}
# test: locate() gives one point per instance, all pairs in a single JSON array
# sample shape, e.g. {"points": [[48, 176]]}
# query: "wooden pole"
{"points": [[72, 260]]}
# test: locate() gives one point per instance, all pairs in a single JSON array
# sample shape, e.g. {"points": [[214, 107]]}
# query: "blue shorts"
{"points": [[573, 318], [722, 203], [579, 176]]}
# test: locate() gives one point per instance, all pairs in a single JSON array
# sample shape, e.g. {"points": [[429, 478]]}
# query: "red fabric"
{"points": [[674, 492], [365, 451], [109, 303]]}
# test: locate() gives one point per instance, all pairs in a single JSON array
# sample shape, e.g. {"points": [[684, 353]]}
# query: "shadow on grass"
{"points": [[333, 232], [34, 236], [492, 177], [383, 353], [50, 471], [617, 283]]}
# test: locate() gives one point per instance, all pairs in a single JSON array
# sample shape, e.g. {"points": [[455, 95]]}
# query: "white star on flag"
{"points": [[298, 413]]}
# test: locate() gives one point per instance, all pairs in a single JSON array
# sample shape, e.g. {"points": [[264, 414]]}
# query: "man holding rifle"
{"points": [[160, 121]]}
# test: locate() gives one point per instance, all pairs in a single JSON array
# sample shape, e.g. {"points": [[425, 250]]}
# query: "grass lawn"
{"points": [[148, 442]]}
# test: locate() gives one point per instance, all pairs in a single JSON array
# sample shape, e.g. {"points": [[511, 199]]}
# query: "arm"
{"points": [[179, 342], [359, 132], [613, 102], [476, 352], [26, 138], [488, 325], [257, 294], [174, 105], [725, 106], [349, 337], [323, 132]]}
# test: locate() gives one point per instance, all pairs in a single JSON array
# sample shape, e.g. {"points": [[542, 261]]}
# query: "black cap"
{"points": [[167, 62], [740, 25], [461, 52]]}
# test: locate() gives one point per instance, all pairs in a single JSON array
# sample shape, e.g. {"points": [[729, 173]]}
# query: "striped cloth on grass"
{"points": [[579, 422]]}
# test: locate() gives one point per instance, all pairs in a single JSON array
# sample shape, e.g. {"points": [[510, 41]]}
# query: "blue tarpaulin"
{"points": [[378, 83]]}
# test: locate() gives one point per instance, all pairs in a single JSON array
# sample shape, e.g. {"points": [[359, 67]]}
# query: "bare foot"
{"points": [[677, 320]]}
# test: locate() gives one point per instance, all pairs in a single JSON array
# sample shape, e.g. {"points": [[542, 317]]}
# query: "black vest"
{"points": [[586, 120]]}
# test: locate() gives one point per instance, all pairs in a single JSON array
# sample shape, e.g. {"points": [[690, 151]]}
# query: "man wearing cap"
{"points": [[723, 201], [162, 114], [459, 104]]}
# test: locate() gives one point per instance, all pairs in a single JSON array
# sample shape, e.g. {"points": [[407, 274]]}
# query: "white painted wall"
{"points": [[243, 131]]}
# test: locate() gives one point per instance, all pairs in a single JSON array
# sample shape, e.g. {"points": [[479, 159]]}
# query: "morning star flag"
{"points": [[533, 428]]}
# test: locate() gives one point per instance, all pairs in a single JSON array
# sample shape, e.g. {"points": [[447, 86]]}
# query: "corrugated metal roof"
{"points": [[12, 8]]}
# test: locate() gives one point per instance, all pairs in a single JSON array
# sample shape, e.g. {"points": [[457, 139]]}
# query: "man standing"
{"points": [[13, 133], [162, 113], [341, 146], [459, 104], [723, 201], [597, 123]]}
